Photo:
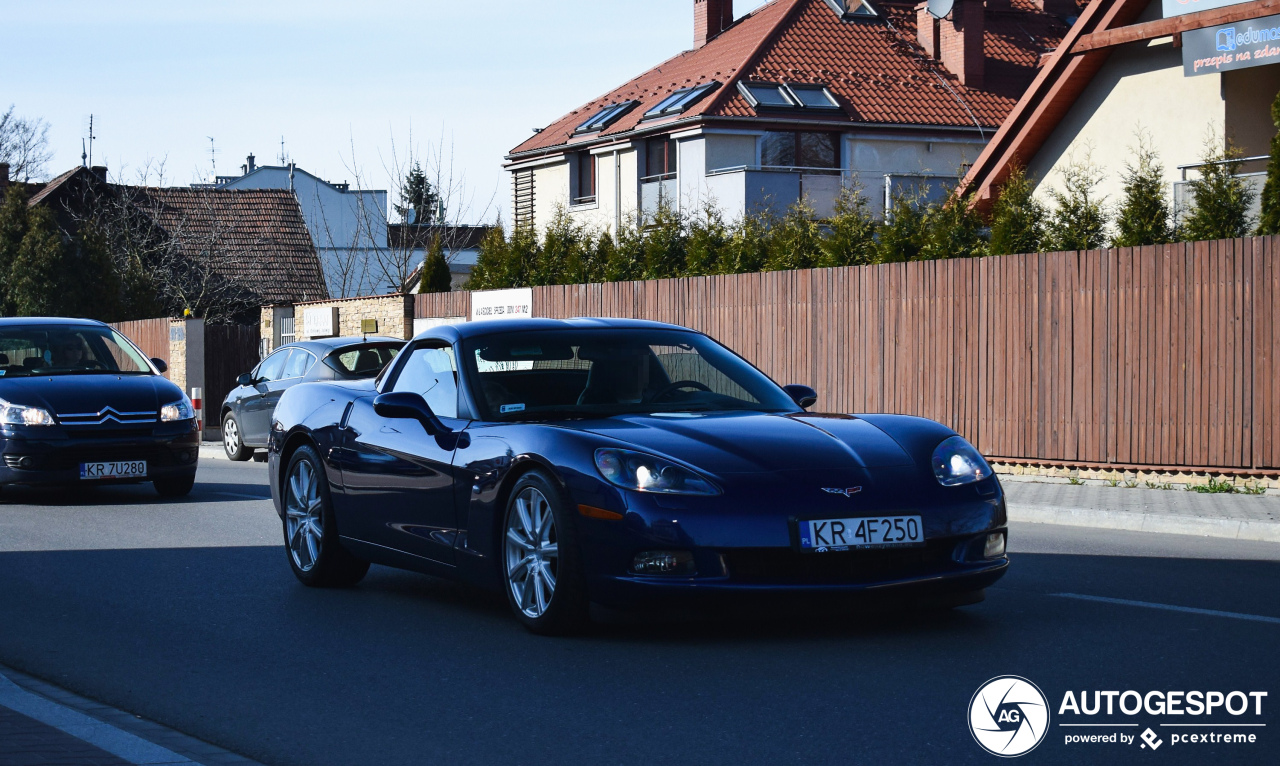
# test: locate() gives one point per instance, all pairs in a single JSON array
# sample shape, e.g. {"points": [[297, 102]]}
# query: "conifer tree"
{"points": [[666, 244], [795, 242], [1220, 201], [1144, 214], [748, 246], [902, 233], [435, 270], [952, 229], [491, 262], [708, 241], [1017, 217], [852, 237], [1079, 217], [626, 256], [39, 267], [1269, 223], [13, 227]]}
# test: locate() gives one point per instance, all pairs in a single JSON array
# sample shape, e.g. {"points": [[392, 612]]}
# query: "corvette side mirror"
{"points": [[802, 395], [406, 405], [245, 379], [160, 365]]}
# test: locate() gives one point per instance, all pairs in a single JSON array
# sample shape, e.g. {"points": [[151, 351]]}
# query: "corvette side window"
{"points": [[433, 373]]}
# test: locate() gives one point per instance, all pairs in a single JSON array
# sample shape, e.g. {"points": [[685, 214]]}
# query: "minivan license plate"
{"points": [[823, 535], [124, 469]]}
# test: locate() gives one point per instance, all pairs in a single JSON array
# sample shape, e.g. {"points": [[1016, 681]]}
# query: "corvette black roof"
{"points": [[464, 330]]}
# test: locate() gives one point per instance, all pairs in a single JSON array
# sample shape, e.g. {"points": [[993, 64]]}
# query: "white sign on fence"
{"points": [[421, 324], [320, 322], [502, 304]]}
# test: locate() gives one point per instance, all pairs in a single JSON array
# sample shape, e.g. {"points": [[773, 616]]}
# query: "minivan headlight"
{"points": [[648, 473], [21, 415], [956, 462], [179, 410]]}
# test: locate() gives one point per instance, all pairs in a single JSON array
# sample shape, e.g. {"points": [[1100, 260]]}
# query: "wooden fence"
{"points": [[1156, 357], [150, 335], [229, 351]]}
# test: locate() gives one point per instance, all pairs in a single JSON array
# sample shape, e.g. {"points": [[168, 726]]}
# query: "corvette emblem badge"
{"points": [[847, 491]]}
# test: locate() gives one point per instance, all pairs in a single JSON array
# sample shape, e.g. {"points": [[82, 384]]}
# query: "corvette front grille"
{"points": [[784, 565]]}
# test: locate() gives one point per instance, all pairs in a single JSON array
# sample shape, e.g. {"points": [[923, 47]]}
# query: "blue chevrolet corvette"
{"points": [[624, 463]]}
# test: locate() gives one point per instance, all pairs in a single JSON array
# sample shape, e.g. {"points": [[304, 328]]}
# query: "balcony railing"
{"points": [[749, 187], [1184, 198]]}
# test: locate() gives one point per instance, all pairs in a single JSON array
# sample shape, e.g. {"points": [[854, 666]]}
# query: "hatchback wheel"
{"points": [[310, 532], [232, 441], [540, 558]]}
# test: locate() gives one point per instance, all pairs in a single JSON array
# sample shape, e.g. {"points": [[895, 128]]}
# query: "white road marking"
{"points": [[242, 496], [101, 735], [1171, 607]]}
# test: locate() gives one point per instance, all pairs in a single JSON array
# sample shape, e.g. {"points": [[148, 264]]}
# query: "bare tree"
{"points": [[24, 144], [398, 260]]}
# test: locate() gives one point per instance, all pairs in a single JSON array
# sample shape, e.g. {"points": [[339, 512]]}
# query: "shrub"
{"points": [[902, 233], [851, 240], [1017, 218], [1270, 220], [1220, 201], [1144, 216], [952, 229], [795, 241], [1079, 218], [666, 243], [708, 242]]}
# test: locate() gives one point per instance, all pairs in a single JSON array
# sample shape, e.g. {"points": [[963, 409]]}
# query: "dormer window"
{"points": [[605, 117], [771, 95], [853, 9], [680, 100]]}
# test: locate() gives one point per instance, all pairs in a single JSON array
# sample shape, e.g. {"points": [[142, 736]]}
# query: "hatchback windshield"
{"points": [[596, 373], [67, 350]]}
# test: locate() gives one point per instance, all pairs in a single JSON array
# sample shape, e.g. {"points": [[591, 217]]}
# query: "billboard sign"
{"points": [[1244, 44]]}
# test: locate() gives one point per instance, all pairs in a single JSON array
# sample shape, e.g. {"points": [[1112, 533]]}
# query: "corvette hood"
{"points": [[75, 394], [751, 442]]}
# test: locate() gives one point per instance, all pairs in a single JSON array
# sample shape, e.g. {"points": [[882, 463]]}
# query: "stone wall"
{"points": [[178, 353], [393, 312]]}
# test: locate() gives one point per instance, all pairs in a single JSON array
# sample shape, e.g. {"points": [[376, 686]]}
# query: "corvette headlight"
{"points": [[956, 462], [179, 410], [21, 415], [647, 473]]}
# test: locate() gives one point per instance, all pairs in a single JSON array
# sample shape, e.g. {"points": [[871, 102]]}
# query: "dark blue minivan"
{"points": [[80, 404]]}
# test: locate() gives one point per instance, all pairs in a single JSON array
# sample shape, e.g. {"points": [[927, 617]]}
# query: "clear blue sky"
{"points": [[160, 77]]}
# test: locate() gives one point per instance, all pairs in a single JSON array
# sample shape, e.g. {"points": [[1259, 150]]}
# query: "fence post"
{"points": [[198, 403]]}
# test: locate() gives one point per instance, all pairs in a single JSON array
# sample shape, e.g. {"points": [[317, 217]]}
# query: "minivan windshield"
{"points": [[47, 350], [585, 373]]}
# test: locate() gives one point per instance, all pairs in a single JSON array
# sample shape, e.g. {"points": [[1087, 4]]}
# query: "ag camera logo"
{"points": [[1008, 716]]}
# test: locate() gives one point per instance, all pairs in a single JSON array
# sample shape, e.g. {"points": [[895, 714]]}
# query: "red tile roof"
{"points": [[260, 237], [874, 66]]}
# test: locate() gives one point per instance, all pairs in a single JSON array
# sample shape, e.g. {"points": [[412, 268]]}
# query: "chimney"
{"points": [[4, 177], [1062, 8], [959, 42], [250, 164], [100, 171], [927, 31], [710, 18]]}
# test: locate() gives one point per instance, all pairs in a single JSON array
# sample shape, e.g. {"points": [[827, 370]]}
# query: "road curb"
{"points": [[1166, 523]]}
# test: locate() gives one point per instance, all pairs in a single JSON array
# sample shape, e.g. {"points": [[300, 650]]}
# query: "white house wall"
{"points": [[1140, 87]]}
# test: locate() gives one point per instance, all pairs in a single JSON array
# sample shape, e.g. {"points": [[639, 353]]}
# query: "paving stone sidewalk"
{"points": [[42, 724], [1176, 511]]}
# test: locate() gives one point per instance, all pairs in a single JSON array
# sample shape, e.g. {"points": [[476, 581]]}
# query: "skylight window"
{"points": [[605, 117], [767, 94], [772, 95], [813, 96], [681, 100]]}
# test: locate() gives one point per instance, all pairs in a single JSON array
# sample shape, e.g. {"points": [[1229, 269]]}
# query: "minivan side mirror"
{"points": [[802, 395], [160, 365], [406, 405], [245, 379]]}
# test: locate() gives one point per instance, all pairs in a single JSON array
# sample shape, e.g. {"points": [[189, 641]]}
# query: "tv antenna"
{"points": [[88, 161], [213, 158], [283, 158], [940, 8]]}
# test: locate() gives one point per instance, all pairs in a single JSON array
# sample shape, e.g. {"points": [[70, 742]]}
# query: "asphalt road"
{"points": [[186, 613]]}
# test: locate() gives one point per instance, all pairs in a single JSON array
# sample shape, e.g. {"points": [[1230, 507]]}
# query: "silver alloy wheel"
{"points": [[303, 523], [231, 436], [531, 552]]}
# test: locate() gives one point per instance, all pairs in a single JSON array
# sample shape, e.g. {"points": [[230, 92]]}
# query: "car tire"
{"points": [[233, 440], [541, 567], [316, 555], [175, 487]]}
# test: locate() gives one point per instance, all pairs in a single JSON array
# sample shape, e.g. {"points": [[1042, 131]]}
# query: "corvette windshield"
{"points": [[563, 374], [47, 350]]}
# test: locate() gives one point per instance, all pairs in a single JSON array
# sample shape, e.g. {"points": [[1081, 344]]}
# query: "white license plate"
{"points": [[124, 469], [823, 535]]}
